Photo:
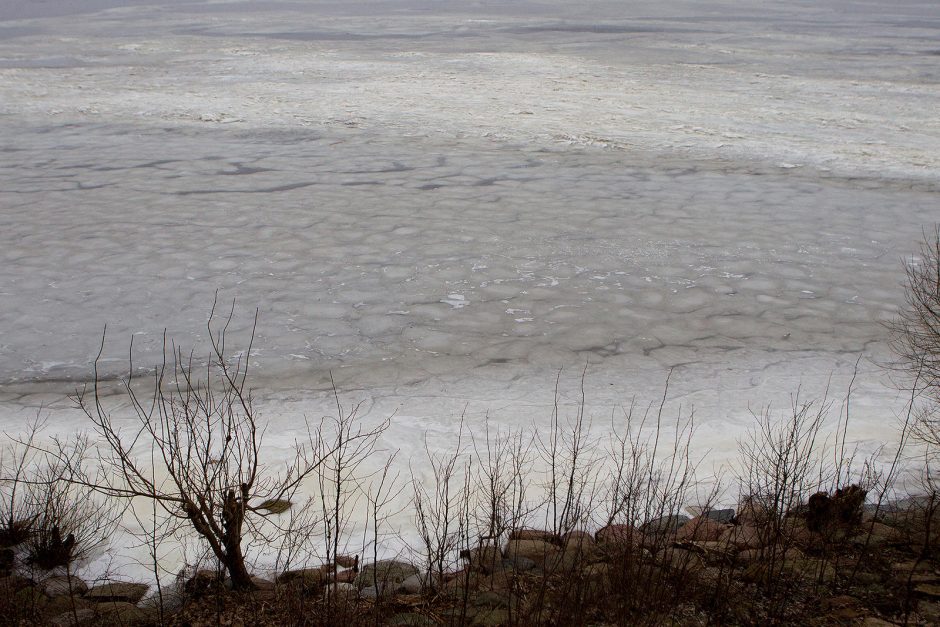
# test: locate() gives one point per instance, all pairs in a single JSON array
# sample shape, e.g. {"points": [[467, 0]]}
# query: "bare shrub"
{"points": [[803, 496], [653, 473], [916, 341], [71, 519], [652, 477], [441, 509], [569, 454], [916, 338], [17, 462], [501, 481], [344, 448], [206, 473]]}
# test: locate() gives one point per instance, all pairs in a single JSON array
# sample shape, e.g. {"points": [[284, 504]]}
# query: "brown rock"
{"points": [[307, 578], [679, 559], [756, 572], [700, 529], [664, 526], [577, 547], [795, 531], [742, 537], [62, 585], [569, 558], [487, 558], [117, 592], [347, 561], [346, 576], [536, 550], [620, 534], [455, 574], [580, 539], [167, 600], [72, 619], [751, 512], [713, 552], [458, 586], [342, 591], [499, 580], [748, 555], [532, 534], [928, 590], [385, 573], [843, 607], [66, 604], [766, 554], [262, 584]]}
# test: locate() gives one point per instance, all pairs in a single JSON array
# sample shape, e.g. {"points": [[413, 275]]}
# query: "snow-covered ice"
{"points": [[444, 203]]}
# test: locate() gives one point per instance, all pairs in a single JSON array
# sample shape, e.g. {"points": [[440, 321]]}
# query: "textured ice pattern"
{"points": [[446, 202]]}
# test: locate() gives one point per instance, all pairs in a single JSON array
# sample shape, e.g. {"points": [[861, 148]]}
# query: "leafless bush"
{"points": [[916, 341], [206, 474], [501, 482], [653, 477], [17, 461], [916, 338], [71, 519], [344, 448], [802, 495], [781, 463], [568, 453], [47, 504], [441, 509], [383, 492], [781, 469]]}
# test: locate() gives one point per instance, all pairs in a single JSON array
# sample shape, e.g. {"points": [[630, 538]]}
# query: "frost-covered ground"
{"points": [[445, 203]]}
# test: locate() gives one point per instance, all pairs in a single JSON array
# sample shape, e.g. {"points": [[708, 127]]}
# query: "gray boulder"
{"points": [[385, 572], [117, 592], [413, 585], [62, 585], [665, 524]]}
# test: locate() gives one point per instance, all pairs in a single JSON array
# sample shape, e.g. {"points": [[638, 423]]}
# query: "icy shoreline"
{"points": [[445, 208]]}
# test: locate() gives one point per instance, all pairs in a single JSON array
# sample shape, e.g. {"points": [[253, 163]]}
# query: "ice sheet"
{"points": [[445, 204]]}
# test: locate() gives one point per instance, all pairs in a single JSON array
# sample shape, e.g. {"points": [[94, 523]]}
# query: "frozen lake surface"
{"points": [[444, 203]]}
